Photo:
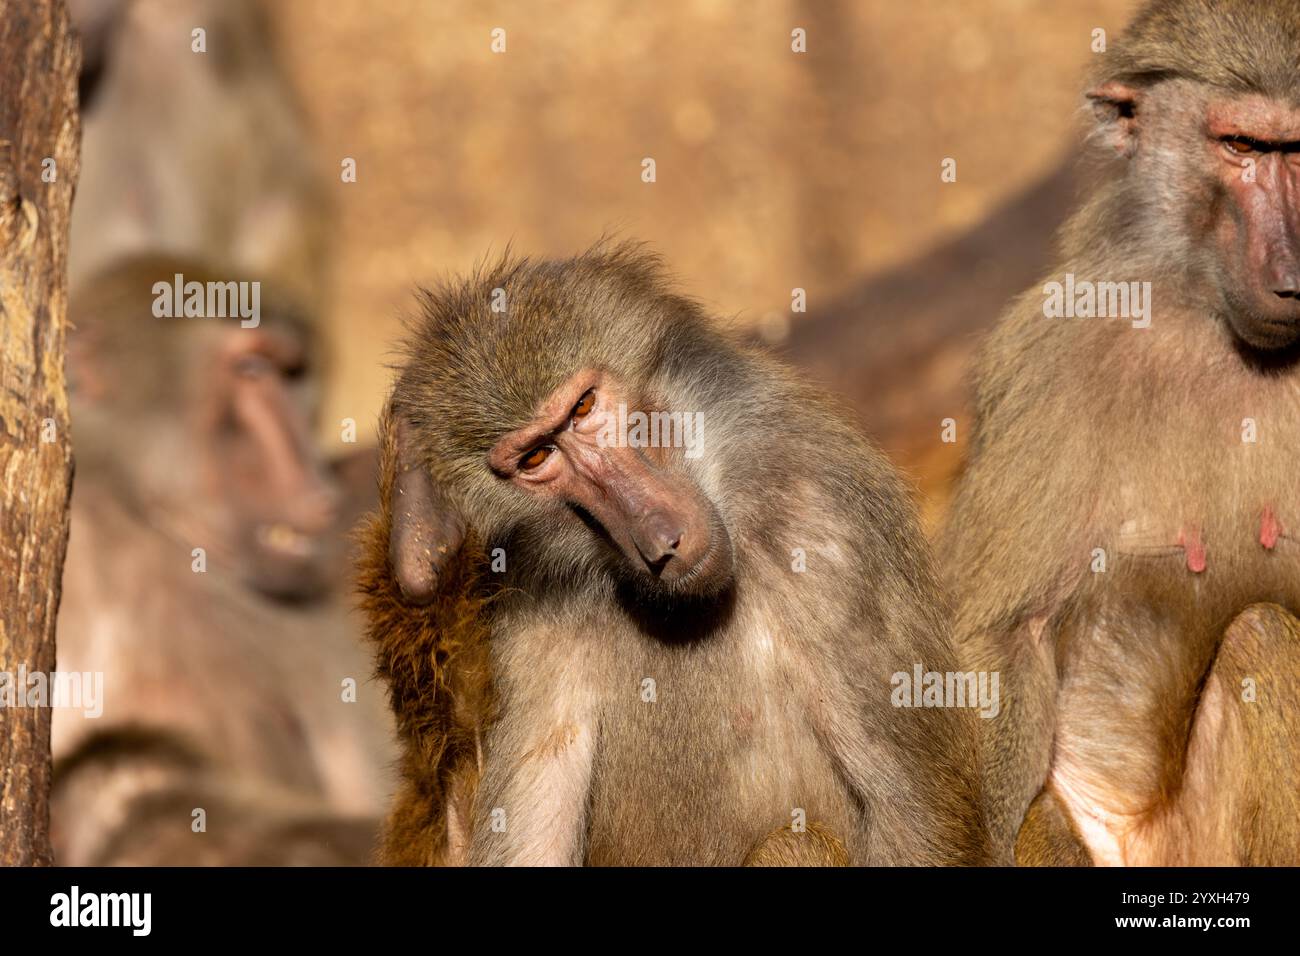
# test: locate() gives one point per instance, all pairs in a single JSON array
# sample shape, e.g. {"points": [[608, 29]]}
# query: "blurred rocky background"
{"points": [[775, 170]]}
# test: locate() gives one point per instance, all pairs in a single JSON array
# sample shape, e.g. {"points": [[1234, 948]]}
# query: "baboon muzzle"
{"points": [[658, 518]]}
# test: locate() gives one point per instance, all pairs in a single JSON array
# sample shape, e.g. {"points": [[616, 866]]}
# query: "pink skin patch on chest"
{"points": [[1270, 529], [1189, 539]]}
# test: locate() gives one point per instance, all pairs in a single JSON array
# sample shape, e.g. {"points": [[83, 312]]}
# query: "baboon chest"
{"points": [[719, 749], [1201, 517], [1191, 527]]}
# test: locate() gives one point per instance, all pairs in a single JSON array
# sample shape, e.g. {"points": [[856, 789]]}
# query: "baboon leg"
{"points": [[1048, 837], [814, 846], [1240, 802]]}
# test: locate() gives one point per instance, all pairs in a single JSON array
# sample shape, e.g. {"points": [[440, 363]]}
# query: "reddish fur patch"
{"points": [[435, 662]]}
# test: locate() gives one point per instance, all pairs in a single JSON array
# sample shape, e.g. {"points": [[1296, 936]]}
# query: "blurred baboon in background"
{"points": [[202, 581], [223, 688]]}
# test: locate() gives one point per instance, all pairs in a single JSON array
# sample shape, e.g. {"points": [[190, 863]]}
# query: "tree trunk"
{"points": [[39, 141]]}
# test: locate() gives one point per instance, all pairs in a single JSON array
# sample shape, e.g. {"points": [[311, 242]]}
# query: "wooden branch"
{"points": [[39, 142]]}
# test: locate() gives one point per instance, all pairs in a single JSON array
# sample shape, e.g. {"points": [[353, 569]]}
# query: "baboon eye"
{"points": [[1240, 145], [585, 404], [535, 457]]}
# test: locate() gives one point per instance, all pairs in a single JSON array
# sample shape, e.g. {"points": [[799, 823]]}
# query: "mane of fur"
{"points": [[435, 664]]}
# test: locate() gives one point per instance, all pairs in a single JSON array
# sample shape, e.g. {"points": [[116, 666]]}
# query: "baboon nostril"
{"points": [[663, 537], [1287, 284], [664, 550], [661, 545]]}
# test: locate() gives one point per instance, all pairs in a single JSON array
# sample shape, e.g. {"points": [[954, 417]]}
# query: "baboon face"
{"points": [[667, 533], [226, 459], [280, 504], [1253, 146], [1222, 169], [515, 411], [1203, 98]]}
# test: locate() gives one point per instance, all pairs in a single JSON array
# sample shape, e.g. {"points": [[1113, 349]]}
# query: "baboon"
{"points": [[1121, 548], [204, 545], [612, 645]]}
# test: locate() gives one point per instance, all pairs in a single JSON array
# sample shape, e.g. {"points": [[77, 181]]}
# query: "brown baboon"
{"points": [[204, 542], [1122, 546], [685, 587]]}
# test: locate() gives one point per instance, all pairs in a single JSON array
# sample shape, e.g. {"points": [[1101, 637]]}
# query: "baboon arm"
{"points": [[1010, 581], [532, 802], [1015, 747], [913, 812]]}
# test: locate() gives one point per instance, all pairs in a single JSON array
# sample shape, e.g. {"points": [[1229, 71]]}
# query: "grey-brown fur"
{"points": [[739, 735], [1092, 434]]}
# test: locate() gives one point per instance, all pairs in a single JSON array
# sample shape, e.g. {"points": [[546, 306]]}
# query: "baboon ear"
{"points": [[1116, 105], [427, 529]]}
